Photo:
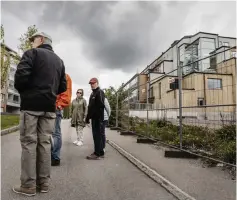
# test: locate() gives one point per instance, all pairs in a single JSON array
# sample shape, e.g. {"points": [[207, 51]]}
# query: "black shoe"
{"points": [[73, 125], [102, 154], [55, 162]]}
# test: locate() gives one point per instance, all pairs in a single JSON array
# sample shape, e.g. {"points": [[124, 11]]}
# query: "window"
{"points": [[159, 90], [151, 92], [226, 44], [234, 55], [213, 62], [200, 102], [214, 83], [220, 43], [207, 45], [157, 69], [15, 98]]}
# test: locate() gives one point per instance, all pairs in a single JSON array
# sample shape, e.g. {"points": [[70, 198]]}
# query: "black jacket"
{"points": [[39, 78], [96, 105]]}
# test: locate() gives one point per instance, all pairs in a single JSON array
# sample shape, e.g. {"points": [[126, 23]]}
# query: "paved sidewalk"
{"points": [[113, 178], [188, 175]]}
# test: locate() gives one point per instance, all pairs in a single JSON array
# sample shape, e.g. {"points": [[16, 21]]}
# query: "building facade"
{"points": [[10, 98], [208, 64], [185, 52]]}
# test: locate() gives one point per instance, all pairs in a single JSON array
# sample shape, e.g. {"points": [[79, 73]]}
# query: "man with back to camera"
{"points": [[39, 78], [96, 114]]}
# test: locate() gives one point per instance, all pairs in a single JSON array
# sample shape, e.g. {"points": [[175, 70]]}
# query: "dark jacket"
{"points": [[39, 78], [96, 105]]}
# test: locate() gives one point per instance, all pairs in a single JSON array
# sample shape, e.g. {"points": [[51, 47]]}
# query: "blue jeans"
{"points": [[57, 137]]}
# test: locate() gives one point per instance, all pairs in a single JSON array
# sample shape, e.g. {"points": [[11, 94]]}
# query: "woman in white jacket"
{"points": [[107, 112]]}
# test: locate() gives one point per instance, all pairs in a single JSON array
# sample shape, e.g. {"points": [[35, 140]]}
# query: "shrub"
{"points": [[226, 133], [221, 142]]}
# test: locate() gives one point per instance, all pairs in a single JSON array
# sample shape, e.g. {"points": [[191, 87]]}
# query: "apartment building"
{"points": [[210, 81], [187, 50], [214, 89], [10, 98]]}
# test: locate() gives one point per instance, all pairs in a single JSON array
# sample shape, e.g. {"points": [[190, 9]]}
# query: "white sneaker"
{"points": [[79, 143], [75, 142]]}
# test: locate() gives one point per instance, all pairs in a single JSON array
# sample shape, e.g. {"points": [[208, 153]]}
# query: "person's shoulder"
{"points": [[101, 92], [29, 52]]}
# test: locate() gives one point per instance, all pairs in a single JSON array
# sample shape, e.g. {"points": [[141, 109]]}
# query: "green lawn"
{"points": [[8, 121]]}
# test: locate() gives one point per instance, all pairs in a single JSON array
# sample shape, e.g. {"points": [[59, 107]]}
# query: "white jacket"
{"points": [[107, 110]]}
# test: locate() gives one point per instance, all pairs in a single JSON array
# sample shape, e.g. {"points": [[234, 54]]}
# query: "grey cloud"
{"points": [[120, 43], [115, 35], [111, 41]]}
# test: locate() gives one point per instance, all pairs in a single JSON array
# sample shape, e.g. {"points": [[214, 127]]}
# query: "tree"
{"points": [[111, 95], [24, 39], [5, 60]]}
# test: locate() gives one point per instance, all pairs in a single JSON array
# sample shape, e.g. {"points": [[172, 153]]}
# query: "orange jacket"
{"points": [[64, 99]]}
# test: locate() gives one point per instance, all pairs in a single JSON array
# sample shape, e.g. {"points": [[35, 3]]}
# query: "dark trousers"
{"points": [[105, 122], [97, 131]]}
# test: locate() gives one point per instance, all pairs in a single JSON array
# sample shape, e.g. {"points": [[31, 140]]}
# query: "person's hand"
{"points": [[87, 120]]}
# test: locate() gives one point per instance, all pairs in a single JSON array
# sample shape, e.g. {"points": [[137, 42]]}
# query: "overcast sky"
{"points": [[114, 40]]}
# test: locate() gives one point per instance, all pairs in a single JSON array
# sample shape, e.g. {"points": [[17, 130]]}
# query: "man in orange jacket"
{"points": [[63, 100]]}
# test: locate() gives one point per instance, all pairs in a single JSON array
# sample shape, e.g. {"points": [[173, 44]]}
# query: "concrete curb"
{"points": [[170, 187], [9, 130]]}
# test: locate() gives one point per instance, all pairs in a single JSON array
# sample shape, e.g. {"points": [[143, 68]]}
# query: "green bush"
{"points": [[226, 133], [221, 143], [225, 144]]}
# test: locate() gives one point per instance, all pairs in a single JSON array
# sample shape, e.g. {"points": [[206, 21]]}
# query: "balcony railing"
{"points": [[13, 91], [140, 106], [13, 103]]}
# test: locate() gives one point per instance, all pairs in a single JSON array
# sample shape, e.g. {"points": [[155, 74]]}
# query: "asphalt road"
{"points": [[113, 178]]}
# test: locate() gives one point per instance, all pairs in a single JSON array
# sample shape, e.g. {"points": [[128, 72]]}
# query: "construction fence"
{"points": [[198, 97]]}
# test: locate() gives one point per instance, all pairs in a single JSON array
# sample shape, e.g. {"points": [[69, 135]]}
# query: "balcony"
{"points": [[13, 91], [13, 103], [11, 77]]}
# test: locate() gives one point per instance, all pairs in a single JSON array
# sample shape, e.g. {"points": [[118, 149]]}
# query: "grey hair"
{"points": [[47, 41]]}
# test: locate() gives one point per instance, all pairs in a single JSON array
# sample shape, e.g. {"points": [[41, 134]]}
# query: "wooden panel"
{"points": [[142, 80]]}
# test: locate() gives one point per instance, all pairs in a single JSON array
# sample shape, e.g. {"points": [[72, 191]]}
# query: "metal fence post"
{"points": [[147, 103], [128, 108], [180, 105]]}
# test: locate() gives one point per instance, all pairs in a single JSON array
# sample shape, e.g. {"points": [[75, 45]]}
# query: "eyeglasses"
{"points": [[79, 93]]}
